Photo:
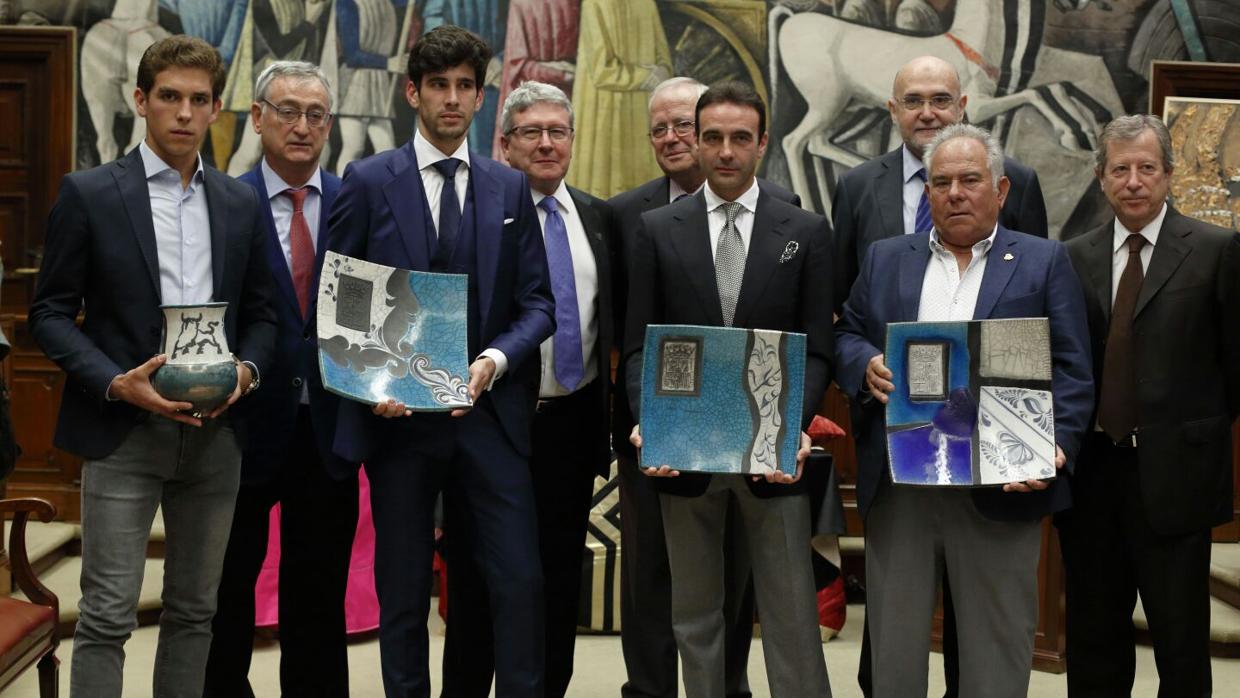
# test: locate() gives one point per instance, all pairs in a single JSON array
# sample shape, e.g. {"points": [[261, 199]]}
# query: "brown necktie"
{"points": [[1117, 409], [302, 248]]}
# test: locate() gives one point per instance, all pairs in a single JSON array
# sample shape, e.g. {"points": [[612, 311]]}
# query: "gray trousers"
{"points": [[777, 533], [193, 473], [911, 534]]}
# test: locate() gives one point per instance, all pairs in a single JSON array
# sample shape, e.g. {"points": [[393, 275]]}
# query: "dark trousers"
{"points": [[951, 651], [318, 518], [1110, 553], [646, 596], [563, 479], [487, 484]]}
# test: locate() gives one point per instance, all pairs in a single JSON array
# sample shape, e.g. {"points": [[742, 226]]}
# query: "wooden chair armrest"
{"points": [[23, 573]]}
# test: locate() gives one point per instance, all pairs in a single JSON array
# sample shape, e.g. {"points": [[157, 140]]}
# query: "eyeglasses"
{"points": [[680, 128], [288, 115], [533, 134], [916, 103]]}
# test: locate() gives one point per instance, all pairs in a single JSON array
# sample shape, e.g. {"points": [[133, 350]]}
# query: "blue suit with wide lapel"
{"points": [[272, 409], [1025, 276]]}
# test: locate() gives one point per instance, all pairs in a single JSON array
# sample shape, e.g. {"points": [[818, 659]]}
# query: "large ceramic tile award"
{"points": [[721, 399], [972, 404], [386, 332]]}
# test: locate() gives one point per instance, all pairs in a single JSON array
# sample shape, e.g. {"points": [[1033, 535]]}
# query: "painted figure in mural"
{"points": [[646, 603], [288, 30], [698, 249], [110, 53], [1161, 288], [371, 62], [486, 18], [622, 54], [967, 266], [541, 45], [291, 419], [571, 443], [432, 205], [157, 226]]}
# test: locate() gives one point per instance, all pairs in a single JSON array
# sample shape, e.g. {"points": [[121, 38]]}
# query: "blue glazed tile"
{"points": [[392, 333], [722, 400]]}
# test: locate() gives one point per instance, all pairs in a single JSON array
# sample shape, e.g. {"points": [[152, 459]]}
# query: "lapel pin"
{"points": [[1008, 257], [790, 251]]}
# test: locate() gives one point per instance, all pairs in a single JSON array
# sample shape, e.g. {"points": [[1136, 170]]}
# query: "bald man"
{"points": [[883, 198]]}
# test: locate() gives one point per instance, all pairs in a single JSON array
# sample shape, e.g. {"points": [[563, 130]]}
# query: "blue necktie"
{"points": [[566, 343], [923, 223], [449, 208]]}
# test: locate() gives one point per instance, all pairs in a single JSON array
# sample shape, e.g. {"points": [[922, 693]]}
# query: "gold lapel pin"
{"points": [[1008, 257]]}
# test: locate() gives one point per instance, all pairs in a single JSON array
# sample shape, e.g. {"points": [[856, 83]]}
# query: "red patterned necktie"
{"points": [[302, 248]]}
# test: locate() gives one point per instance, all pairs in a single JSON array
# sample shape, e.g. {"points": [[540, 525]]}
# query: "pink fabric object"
{"points": [[361, 604]]}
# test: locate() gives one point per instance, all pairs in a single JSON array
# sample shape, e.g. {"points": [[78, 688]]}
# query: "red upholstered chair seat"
{"points": [[25, 626]]}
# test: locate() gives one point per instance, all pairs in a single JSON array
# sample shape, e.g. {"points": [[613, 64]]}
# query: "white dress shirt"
{"points": [[585, 275], [182, 231], [1119, 247], [914, 187], [282, 209], [717, 219], [945, 294], [432, 184], [675, 191]]}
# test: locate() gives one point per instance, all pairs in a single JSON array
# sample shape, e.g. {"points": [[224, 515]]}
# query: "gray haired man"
{"points": [[570, 443]]}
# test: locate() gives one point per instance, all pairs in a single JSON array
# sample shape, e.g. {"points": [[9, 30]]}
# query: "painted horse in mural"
{"points": [[995, 46], [111, 50]]}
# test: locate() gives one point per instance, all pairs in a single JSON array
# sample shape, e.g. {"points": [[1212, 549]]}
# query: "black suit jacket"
{"points": [[595, 218], [1187, 333], [673, 282], [868, 205], [627, 209], [101, 253]]}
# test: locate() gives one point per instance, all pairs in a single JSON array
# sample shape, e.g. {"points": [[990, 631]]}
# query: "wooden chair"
{"points": [[28, 628]]}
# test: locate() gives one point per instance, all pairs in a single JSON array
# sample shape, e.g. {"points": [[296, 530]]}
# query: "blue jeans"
{"points": [[193, 473]]}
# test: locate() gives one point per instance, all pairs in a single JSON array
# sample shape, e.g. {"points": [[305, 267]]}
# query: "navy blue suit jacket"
{"points": [[101, 253], [380, 215], [1036, 281], [271, 411]]}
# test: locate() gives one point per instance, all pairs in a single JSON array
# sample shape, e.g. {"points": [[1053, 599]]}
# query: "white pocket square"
{"points": [[509, 220]]}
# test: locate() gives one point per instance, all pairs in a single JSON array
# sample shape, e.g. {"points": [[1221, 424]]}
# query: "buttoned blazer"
{"points": [[271, 410], [1025, 276], [868, 206], [672, 281], [381, 215], [101, 255], [1187, 344]]}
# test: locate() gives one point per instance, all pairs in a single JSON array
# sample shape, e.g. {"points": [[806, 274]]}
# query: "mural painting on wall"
{"points": [[1044, 74]]}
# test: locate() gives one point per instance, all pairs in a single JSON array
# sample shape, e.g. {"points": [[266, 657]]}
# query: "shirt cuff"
{"points": [[501, 363], [107, 394]]}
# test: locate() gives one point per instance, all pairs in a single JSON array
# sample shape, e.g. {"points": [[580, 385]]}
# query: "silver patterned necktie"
{"points": [[729, 262]]}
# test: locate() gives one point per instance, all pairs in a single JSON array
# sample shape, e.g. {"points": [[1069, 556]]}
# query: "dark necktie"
{"points": [[679, 196], [922, 223], [449, 207], [302, 249], [729, 262], [566, 342], [1117, 409]]}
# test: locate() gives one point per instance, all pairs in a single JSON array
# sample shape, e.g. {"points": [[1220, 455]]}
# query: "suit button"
{"points": [[297, 382], [306, 335]]}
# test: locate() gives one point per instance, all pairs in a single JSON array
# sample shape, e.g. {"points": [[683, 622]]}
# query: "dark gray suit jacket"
{"points": [[1187, 328], [868, 206]]}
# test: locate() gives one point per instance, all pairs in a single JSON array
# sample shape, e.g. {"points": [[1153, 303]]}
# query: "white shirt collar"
{"points": [[911, 164], [674, 190], [276, 185], [749, 199], [1149, 232], [563, 201], [153, 164], [980, 248], [428, 154]]}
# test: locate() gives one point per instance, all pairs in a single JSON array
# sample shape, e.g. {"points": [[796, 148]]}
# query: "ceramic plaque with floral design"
{"points": [[393, 333], [972, 405], [722, 399]]}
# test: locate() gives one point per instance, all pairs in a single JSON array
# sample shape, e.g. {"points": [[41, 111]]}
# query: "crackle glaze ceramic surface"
{"points": [[200, 367]]}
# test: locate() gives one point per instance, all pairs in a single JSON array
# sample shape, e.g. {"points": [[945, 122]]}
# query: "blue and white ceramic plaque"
{"points": [[393, 333], [972, 404], [722, 399]]}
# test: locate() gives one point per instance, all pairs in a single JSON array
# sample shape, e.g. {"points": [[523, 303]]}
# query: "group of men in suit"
{"points": [[557, 279]]}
